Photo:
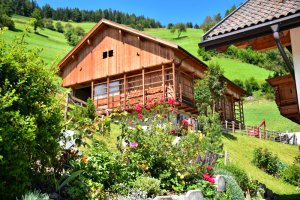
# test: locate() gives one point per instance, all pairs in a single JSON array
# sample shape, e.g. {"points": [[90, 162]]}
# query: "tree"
{"points": [[73, 35], [196, 26], [170, 25], [59, 27], [37, 20], [218, 17], [228, 11], [30, 118], [180, 27], [47, 11], [208, 23], [210, 90], [48, 23]]}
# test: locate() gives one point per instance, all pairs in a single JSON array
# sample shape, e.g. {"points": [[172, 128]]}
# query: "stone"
{"points": [[177, 197], [221, 183], [163, 198], [194, 195]]}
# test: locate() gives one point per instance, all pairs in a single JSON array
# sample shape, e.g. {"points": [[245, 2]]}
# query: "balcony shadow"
{"points": [[229, 136], [289, 196]]}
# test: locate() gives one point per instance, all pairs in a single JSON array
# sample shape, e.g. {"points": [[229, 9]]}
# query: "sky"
{"points": [[165, 11]]}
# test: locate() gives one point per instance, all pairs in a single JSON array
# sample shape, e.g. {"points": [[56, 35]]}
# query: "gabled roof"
{"points": [[103, 23], [253, 19]]}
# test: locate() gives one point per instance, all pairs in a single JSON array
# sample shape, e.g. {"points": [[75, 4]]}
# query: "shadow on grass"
{"points": [[41, 35], [289, 196], [16, 30], [181, 37], [229, 136]]}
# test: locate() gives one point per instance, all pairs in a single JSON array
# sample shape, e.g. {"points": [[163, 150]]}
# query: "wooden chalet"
{"points": [[265, 24], [118, 67]]}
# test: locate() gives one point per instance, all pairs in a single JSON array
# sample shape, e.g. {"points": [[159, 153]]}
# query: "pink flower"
{"points": [[209, 178], [185, 122], [133, 145], [175, 111], [138, 108], [171, 101], [140, 116], [171, 109], [161, 100], [150, 99]]}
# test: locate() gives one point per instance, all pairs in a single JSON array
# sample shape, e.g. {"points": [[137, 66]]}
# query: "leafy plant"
{"points": [[292, 174], [35, 195], [149, 185], [266, 161]]}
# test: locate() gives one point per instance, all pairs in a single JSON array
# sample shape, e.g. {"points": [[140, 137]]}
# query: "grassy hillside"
{"points": [[54, 47], [240, 148]]}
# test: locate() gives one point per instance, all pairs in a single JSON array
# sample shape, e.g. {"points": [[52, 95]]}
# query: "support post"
{"points": [[67, 107], [226, 160], [124, 91], [174, 79], [107, 91], [163, 81], [240, 127], [226, 124], [92, 91], [143, 75], [233, 127]]}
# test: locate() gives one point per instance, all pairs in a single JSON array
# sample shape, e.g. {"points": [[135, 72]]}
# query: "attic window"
{"points": [[104, 54], [111, 53]]}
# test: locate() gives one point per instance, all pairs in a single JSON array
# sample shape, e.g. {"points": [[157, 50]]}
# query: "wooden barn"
{"points": [[118, 67]]}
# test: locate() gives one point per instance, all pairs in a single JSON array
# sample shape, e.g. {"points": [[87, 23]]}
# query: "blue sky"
{"points": [[164, 11]]}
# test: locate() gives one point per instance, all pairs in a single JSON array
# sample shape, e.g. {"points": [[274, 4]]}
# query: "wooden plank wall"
{"points": [[130, 52]]}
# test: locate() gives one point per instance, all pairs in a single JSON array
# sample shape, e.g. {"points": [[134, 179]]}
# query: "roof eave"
{"points": [[252, 32]]}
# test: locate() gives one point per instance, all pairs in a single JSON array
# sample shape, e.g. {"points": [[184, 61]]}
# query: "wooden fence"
{"points": [[259, 133]]}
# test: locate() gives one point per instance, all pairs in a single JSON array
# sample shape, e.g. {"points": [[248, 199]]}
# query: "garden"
{"points": [[151, 155]]}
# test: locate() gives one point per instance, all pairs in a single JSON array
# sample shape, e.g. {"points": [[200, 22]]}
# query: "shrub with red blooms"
{"points": [[140, 116], [138, 108], [209, 178], [185, 122]]}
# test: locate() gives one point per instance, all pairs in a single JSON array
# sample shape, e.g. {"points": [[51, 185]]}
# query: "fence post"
{"points": [[226, 125], [226, 160], [266, 135], [246, 129], [233, 127], [66, 108], [274, 138], [240, 127]]}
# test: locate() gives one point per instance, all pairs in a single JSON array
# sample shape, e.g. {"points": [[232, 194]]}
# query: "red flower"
{"points": [[161, 100], [171, 101], [154, 104], [83, 158], [164, 116], [138, 108], [148, 107], [185, 122], [208, 168], [140, 116], [209, 178]]}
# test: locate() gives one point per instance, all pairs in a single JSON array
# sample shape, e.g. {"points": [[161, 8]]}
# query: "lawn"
{"points": [[240, 148], [259, 109]]}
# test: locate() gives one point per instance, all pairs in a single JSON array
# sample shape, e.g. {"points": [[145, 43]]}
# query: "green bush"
{"points": [[48, 23], [292, 174], [233, 189], [239, 83], [30, 119], [35, 195], [73, 35], [251, 85], [149, 185], [6, 21], [59, 27], [266, 161], [239, 175]]}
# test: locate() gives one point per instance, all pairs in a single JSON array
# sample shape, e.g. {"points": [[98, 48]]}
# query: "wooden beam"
{"points": [[174, 77], [92, 91], [163, 81], [124, 88], [143, 76], [107, 90]]}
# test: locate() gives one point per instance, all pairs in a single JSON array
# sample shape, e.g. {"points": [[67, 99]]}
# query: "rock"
{"points": [[176, 197], [54, 196], [270, 194], [163, 198], [194, 195], [220, 182]]}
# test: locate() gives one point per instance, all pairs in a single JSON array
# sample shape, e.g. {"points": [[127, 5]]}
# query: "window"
{"points": [[100, 91], [111, 53], [104, 54], [114, 88]]}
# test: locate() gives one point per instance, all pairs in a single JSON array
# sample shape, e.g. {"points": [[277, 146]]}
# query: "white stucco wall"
{"points": [[295, 40]]}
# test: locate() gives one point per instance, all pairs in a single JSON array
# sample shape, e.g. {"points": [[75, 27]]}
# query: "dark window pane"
{"points": [[104, 54], [111, 53]]}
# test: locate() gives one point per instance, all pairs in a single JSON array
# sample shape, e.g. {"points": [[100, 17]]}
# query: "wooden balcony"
{"points": [[286, 96]]}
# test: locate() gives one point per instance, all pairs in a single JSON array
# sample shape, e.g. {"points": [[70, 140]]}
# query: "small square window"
{"points": [[111, 53], [104, 54]]}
